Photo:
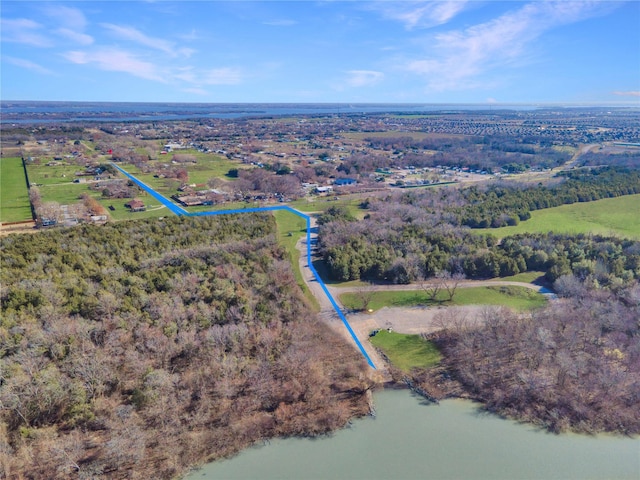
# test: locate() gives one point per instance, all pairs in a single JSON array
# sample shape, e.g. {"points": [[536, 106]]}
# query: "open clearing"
{"points": [[406, 351], [519, 298], [618, 216], [290, 229], [14, 195]]}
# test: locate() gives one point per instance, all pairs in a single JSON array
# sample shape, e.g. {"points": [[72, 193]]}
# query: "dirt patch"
{"points": [[404, 319], [22, 227]]}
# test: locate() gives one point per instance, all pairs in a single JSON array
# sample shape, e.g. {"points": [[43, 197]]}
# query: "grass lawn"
{"points": [[120, 212], [290, 229], [519, 298], [406, 351], [525, 277], [14, 194], [320, 204], [209, 166], [618, 216]]}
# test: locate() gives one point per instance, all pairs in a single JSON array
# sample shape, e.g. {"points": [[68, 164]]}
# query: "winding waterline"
{"points": [[410, 439]]}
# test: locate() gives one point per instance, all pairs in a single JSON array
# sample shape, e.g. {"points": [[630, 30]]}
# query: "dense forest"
{"points": [[138, 349], [574, 365], [414, 235], [386, 248]]}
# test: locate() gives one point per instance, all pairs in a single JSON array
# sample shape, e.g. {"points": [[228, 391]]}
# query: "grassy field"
{"points": [[618, 216], [290, 229], [406, 351], [525, 277], [14, 194], [320, 204], [519, 298]]}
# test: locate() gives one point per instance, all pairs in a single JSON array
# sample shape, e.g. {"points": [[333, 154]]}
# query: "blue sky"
{"points": [[322, 51]]}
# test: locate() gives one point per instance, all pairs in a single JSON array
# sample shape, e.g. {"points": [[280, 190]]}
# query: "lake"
{"points": [[48, 112], [410, 439]]}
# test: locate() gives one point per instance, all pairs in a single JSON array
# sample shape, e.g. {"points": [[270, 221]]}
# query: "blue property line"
{"points": [[182, 212]]}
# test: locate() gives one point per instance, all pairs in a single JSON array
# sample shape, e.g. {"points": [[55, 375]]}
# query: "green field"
{"points": [[14, 194], [290, 229], [321, 204], [618, 216], [406, 351], [519, 298]]}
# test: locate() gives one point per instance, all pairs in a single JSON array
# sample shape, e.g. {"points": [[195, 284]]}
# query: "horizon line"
{"points": [[492, 103]]}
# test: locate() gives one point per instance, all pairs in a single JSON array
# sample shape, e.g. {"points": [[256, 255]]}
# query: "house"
{"points": [[340, 182], [136, 205], [170, 147]]}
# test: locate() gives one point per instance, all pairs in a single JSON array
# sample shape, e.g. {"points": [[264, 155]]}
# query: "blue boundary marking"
{"points": [[182, 212]]}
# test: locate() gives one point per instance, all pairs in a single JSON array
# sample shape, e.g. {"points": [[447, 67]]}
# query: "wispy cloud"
{"points": [[221, 76], [363, 78], [67, 16], [115, 60], [631, 93], [25, 31], [71, 23], [134, 35], [461, 56], [280, 23], [420, 14], [28, 64], [214, 76], [76, 37]]}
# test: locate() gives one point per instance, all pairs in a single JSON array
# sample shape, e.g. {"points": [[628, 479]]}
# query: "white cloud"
{"points": [[461, 56], [23, 30], [115, 60], [221, 76], [28, 64], [77, 37], [135, 35], [69, 17], [363, 78], [420, 14], [632, 93]]}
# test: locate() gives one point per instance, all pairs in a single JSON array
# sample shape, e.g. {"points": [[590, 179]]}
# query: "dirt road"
{"points": [[411, 320]]}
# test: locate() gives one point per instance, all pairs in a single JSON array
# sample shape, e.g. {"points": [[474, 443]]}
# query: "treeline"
{"points": [[404, 243], [627, 159], [499, 206], [574, 365], [138, 349], [490, 153]]}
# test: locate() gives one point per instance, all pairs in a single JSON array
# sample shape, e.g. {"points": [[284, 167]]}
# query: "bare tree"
{"points": [[450, 282], [365, 294], [443, 281], [431, 286]]}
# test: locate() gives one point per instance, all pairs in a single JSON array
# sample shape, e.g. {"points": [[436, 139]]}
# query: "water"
{"points": [[46, 112], [453, 440]]}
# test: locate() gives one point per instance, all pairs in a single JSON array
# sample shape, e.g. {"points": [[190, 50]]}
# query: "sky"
{"points": [[585, 52]]}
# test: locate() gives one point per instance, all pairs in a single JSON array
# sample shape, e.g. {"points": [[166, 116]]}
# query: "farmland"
{"points": [[14, 196]]}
